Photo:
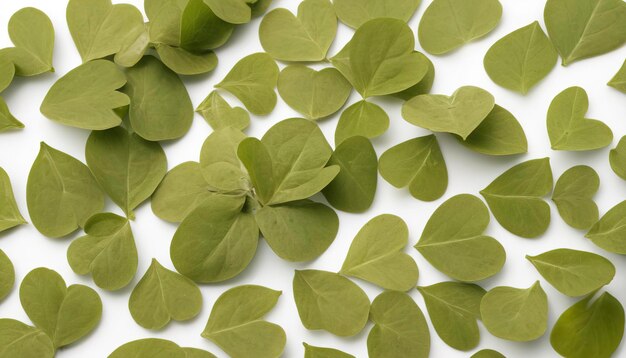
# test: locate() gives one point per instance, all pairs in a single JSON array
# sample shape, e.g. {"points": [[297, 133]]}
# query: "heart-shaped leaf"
{"points": [[32, 34], [516, 198], [162, 295], [376, 254], [61, 193], [7, 275], [609, 231], [231, 11], [362, 118], [573, 196], [306, 37], [323, 352], [65, 314], [569, 129], [98, 27], [617, 158], [515, 314], [453, 308], [618, 81], [10, 215], [314, 94], [329, 301], [7, 120], [589, 329], [459, 114], [355, 13], [449, 24], [107, 251], [154, 347], [87, 96], [219, 114], [236, 323], [184, 62], [418, 164], [252, 80], [498, 134], [400, 329], [20, 340], [453, 242], [521, 59], [585, 28], [572, 272]]}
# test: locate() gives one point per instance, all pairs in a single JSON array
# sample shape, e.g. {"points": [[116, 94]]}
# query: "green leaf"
{"points": [[258, 163], [521, 59], [617, 158], [487, 353], [454, 243], [314, 94], [400, 329], [573, 196], [516, 198], [65, 314], [424, 85], [453, 308], [7, 120], [163, 295], [99, 27], [160, 108], [219, 114], [498, 134], [259, 6], [87, 96], [221, 166], [183, 188], [10, 215], [252, 81], [200, 27], [589, 329], [7, 69], [7, 276], [231, 11], [216, 241], [355, 13], [418, 164], [515, 314], [323, 352], [165, 20], [329, 301], [572, 272], [20, 340], [197, 353], [127, 167], [608, 233], [376, 254], [585, 28], [459, 114], [569, 129], [449, 24], [236, 323], [354, 188], [32, 33], [184, 62], [107, 252], [618, 81], [155, 348], [61, 193], [306, 37], [299, 230], [362, 118], [134, 46]]}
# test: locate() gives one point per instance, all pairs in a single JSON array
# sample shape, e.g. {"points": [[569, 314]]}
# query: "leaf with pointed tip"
{"points": [[618, 81], [608, 233], [573, 196], [32, 34], [219, 114], [362, 118], [418, 164], [7, 120], [498, 134], [10, 215], [323, 352], [355, 13], [617, 158], [184, 62], [61, 193], [20, 340], [7, 276]]}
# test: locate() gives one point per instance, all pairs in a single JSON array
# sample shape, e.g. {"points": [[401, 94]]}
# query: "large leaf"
{"points": [[454, 243], [61, 193], [355, 13], [608, 232], [10, 215], [32, 33], [20, 340], [87, 96], [573, 196], [498, 134], [362, 118]]}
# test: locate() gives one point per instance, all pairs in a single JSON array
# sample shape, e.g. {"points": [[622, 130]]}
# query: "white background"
{"points": [[469, 172]]}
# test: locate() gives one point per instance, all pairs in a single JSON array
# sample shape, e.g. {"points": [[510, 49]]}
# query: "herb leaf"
{"points": [[498, 134], [7, 275], [155, 347], [184, 62], [573, 196], [10, 215], [7, 120], [618, 81], [487, 353], [608, 233], [231, 11], [219, 114], [362, 118], [7, 69], [32, 34], [20, 340], [323, 352], [355, 13], [617, 158]]}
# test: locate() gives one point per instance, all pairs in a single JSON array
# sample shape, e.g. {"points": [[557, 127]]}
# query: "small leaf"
{"points": [[7, 120], [7, 69], [452, 240], [162, 295], [231, 11], [252, 81], [362, 118], [573, 196], [221, 166], [608, 233], [107, 252], [323, 352], [153, 348], [617, 158], [572, 272], [87, 96], [569, 129], [516, 198], [459, 114], [306, 37], [589, 329], [20, 340], [355, 13], [449, 24], [32, 34], [10, 215], [236, 323], [487, 353], [515, 314], [498, 134], [219, 114], [618, 81], [418, 164], [184, 62], [400, 329], [61, 193], [521, 59], [376, 254], [331, 302], [454, 308], [7, 276]]}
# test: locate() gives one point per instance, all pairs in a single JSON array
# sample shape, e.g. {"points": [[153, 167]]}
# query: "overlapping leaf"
{"points": [[498, 134], [355, 13], [20, 340], [219, 114], [608, 232], [362, 118], [573, 196], [32, 33]]}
